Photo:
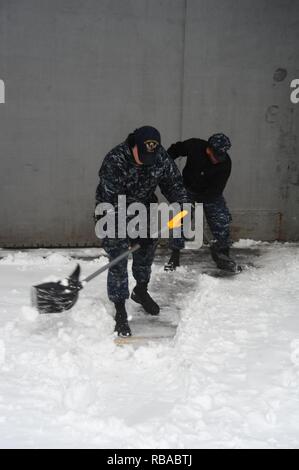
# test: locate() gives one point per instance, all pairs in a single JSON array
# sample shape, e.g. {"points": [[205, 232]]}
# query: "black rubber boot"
{"points": [[141, 296], [121, 320], [174, 261], [223, 260]]}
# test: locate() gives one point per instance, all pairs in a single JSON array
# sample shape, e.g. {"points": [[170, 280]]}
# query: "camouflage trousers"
{"points": [[218, 218], [117, 279]]}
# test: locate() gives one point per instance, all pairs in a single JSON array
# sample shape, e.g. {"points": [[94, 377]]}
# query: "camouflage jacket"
{"points": [[120, 175]]}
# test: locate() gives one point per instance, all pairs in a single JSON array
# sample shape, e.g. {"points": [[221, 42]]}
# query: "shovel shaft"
{"points": [[125, 254], [171, 225]]}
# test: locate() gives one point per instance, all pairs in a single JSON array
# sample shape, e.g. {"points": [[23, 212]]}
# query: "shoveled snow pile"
{"points": [[229, 378]]}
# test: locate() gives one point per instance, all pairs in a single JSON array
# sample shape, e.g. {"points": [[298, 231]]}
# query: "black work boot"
{"points": [[141, 296], [121, 320], [223, 260], [174, 261]]}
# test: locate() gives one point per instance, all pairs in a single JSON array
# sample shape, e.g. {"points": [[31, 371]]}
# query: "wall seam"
{"points": [[182, 98]]}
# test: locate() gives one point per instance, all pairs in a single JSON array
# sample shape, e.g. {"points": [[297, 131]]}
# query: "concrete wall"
{"points": [[240, 59], [79, 75]]}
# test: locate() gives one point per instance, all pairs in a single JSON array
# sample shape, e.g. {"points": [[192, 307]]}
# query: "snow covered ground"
{"points": [[229, 378]]}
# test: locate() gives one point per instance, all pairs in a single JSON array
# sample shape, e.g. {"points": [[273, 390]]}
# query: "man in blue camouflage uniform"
{"points": [[205, 176], [135, 168]]}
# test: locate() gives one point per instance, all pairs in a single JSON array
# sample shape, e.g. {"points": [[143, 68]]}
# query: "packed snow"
{"points": [[229, 377]]}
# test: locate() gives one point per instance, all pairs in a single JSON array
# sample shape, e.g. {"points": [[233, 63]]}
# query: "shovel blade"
{"points": [[57, 297]]}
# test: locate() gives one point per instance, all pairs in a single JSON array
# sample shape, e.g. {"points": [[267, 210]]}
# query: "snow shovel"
{"points": [[57, 297]]}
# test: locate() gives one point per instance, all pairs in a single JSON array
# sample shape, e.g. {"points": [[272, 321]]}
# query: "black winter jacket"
{"points": [[201, 177]]}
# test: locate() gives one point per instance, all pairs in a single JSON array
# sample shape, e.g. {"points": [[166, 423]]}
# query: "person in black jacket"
{"points": [[205, 175], [135, 168]]}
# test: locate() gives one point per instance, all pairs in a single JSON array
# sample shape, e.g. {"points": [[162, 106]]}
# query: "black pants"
{"points": [[218, 218], [117, 280]]}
